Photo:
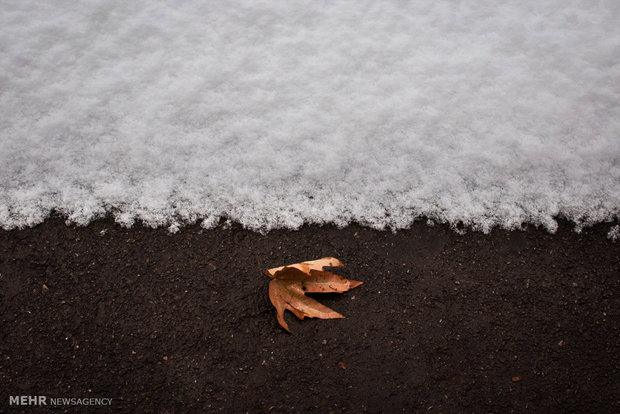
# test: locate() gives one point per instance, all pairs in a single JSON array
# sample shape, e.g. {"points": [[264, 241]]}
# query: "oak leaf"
{"points": [[290, 283]]}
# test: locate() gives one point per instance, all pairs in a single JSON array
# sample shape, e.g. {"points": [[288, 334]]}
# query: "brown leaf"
{"points": [[290, 283], [305, 267]]}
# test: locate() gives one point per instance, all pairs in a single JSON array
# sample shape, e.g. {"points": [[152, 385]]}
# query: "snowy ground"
{"points": [[274, 114]]}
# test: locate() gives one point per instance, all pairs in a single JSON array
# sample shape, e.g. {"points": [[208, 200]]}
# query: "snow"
{"points": [[276, 114], [614, 233]]}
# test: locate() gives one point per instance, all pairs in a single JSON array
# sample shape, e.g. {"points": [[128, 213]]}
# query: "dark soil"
{"points": [[510, 321]]}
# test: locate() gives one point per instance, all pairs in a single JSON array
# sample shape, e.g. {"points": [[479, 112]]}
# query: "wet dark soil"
{"points": [[521, 321]]}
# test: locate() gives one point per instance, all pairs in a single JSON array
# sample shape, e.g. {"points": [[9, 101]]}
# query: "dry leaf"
{"points": [[290, 283], [305, 267]]}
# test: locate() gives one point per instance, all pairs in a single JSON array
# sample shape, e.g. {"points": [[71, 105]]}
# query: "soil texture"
{"points": [[519, 321]]}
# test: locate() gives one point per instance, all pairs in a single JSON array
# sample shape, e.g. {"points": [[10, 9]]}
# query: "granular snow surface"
{"points": [[275, 114]]}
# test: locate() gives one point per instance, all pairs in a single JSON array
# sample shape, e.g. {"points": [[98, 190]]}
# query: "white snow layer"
{"points": [[279, 113]]}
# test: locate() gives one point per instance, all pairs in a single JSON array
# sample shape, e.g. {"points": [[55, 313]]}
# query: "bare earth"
{"points": [[511, 321]]}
